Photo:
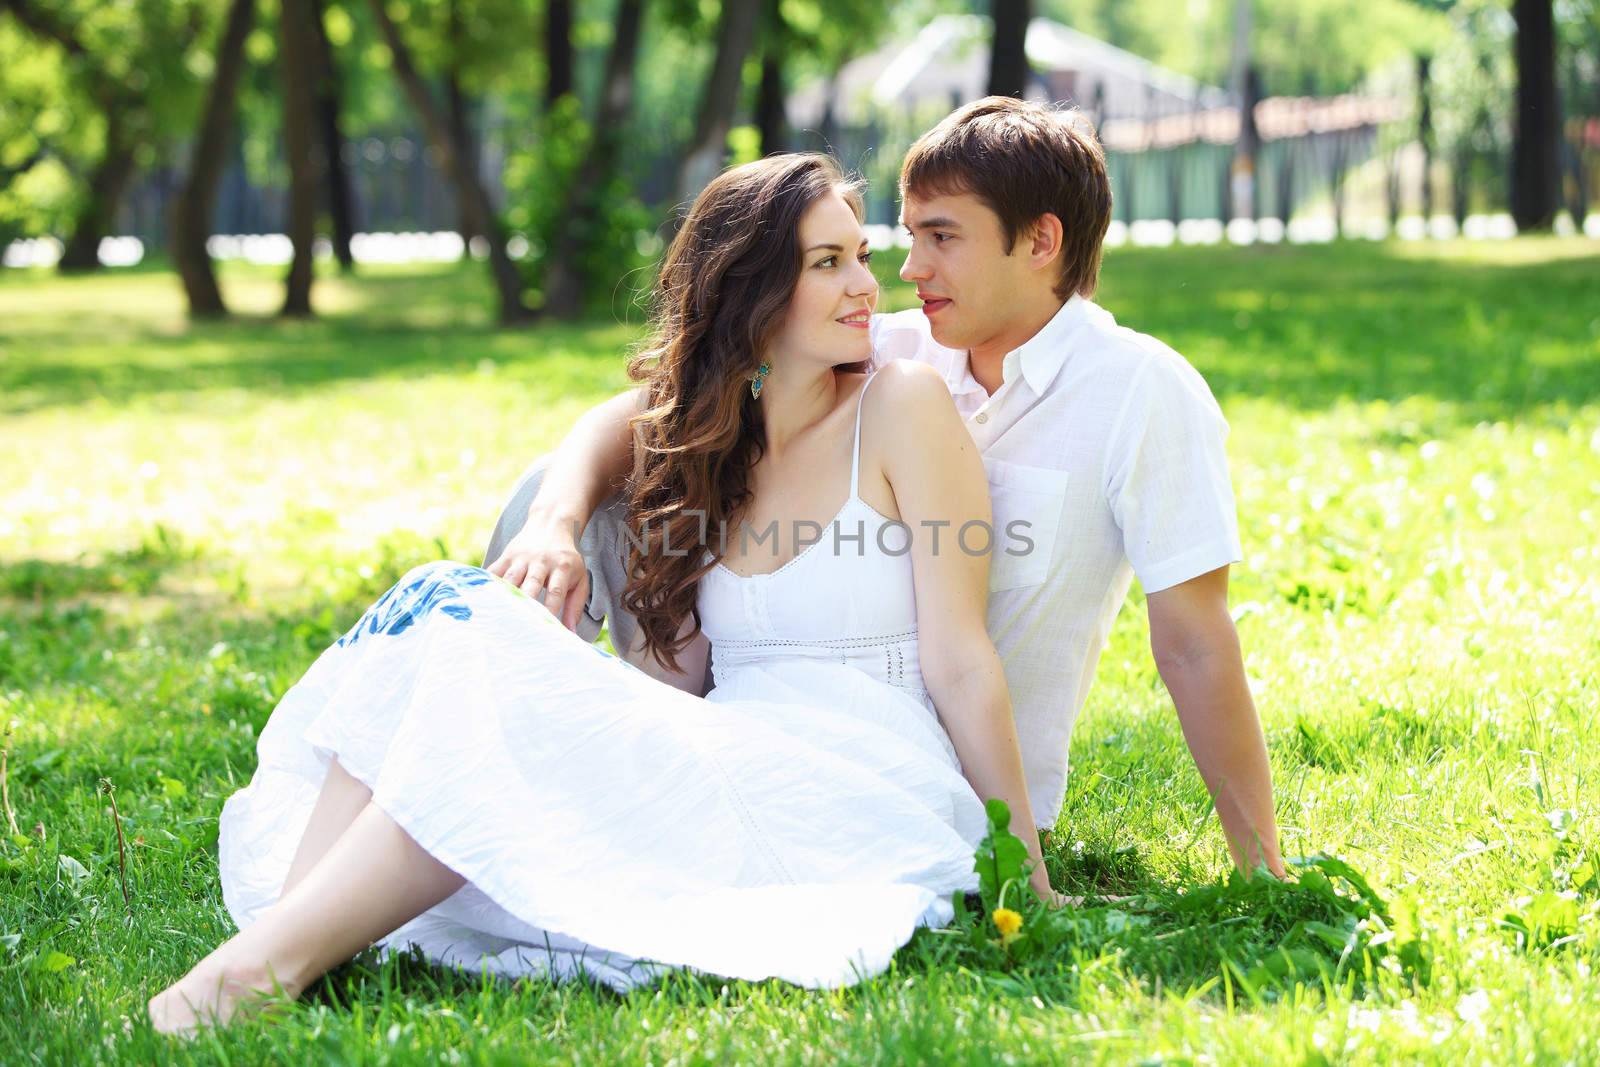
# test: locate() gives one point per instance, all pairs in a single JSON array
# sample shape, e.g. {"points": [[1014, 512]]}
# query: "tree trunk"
{"points": [[1425, 134], [297, 68], [565, 283], [829, 126], [1341, 157], [1008, 55], [772, 120], [1535, 152], [1577, 203], [1391, 188], [1572, 141], [557, 50], [1175, 186], [191, 211], [341, 191], [1224, 192], [476, 207], [107, 182], [736, 32], [1242, 175], [460, 123], [1286, 183], [461, 130]]}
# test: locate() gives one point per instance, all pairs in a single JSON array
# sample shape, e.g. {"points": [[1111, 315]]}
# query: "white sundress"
{"points": [[799, 822]]}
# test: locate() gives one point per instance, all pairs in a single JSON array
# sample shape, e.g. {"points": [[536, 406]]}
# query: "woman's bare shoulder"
{"points": [[906, 391]]}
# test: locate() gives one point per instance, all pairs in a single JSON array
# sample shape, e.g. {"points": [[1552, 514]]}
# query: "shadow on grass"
{"points": [[1312, 326], [84, 349], [137, 570]]}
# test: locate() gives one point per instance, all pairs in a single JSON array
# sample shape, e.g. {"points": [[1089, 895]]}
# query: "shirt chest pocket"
{"points": [[1027, 503]]}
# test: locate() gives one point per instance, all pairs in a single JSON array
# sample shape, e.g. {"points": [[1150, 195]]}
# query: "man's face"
{"points": [[968, 285]]}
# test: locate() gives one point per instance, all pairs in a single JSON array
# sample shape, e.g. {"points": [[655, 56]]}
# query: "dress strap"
{"points": [[855, 459]]}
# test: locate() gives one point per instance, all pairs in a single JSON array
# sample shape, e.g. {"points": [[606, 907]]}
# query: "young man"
{"points": [[1105, 442]]}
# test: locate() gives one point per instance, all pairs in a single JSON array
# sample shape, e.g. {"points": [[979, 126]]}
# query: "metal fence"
{"points": [[1348, 165]]}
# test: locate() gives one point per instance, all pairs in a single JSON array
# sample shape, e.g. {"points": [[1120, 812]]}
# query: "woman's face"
{"points": [[829, 314]]}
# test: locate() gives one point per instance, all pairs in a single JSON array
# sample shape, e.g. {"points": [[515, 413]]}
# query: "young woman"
{"points": [[462, 773]]}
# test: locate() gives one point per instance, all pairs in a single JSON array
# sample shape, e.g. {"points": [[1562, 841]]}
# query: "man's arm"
{"points": [[1197, 652], [591, 463]]}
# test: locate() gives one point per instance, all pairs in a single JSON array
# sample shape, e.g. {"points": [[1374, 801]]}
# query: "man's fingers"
{"points": [[498, 567]]}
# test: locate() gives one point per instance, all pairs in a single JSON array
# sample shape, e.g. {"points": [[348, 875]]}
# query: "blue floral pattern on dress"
{"points": [[408, 602], [436, 586]]}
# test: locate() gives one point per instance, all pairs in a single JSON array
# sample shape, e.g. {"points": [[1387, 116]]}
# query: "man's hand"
{"points": [[543, 561]]}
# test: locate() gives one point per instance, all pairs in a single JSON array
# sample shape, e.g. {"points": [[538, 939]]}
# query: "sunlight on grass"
{"points": [[188, 515]]}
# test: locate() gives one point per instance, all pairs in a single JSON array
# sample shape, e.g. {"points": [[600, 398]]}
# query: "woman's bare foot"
{"points": [[217, 989]]}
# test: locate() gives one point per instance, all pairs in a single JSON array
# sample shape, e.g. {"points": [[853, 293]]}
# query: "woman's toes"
{"points": [[213, 997], [172, 1013]]}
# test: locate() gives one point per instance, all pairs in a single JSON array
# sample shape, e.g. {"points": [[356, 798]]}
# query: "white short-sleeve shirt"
{"points": [[1109, 447]]}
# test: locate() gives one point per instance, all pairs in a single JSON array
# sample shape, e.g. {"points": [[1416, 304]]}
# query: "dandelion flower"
{"points": [[1008, 923]]}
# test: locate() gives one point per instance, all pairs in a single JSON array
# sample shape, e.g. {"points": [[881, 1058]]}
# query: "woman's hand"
{"points": [[1056, 899], [543, 561], [1040, 883]]}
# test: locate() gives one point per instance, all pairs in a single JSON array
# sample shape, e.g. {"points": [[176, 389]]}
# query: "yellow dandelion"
{"points": [[1008, 923]]}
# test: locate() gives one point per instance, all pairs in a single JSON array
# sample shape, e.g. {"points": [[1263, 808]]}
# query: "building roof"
{"points": [[947, 63]]}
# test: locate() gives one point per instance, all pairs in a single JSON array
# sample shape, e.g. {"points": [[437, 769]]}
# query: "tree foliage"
{"points": [[1316, 47], [94, 91]]}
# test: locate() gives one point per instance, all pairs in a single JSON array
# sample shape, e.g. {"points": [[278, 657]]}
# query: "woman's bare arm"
{"points": [[939, 486], [590, 464]]}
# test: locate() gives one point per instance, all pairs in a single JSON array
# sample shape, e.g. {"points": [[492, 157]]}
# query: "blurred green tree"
{"points": [[719, 99], [119, 85], [567, 281], [455, 154], [1314, 47]]}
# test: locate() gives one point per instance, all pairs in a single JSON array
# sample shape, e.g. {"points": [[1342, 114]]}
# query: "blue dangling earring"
{"points": [[759, 379]]}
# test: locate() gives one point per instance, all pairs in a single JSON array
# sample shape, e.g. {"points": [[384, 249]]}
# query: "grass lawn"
{"points": [[189, 514]]}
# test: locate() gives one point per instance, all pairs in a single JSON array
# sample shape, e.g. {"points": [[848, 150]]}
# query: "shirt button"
{"points": [[983, 416]]}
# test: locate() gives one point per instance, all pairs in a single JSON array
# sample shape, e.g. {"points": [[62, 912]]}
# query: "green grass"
{"points": [[188, 514]]}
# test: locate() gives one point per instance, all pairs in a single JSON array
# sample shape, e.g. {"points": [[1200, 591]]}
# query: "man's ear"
{"points": [[1045, 241]]}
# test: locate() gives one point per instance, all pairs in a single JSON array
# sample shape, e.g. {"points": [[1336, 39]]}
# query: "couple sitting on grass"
{"points": [[860, 571]]}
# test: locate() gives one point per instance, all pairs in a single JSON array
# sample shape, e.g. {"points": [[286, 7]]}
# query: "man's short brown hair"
{"points": [[1023, 160]]}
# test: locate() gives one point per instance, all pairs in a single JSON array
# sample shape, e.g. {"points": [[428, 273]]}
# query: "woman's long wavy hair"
{"points": [[718, 303]]}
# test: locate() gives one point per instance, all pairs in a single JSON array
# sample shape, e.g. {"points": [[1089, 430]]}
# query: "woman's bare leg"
{"points": [[338, 804], [372, 880]]}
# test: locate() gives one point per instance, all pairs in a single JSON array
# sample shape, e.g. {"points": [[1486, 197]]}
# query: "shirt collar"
{"points": [[958, 372], [1043, 355]]}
